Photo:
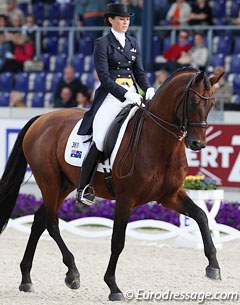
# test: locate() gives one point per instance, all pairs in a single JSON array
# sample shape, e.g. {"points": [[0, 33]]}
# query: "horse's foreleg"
{"points": [[190, 209], [38, 227], [72, 279], [118, 240]]}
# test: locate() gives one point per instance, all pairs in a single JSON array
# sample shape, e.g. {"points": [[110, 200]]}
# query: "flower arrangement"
{"points": [[228, 214], [200, 182]]}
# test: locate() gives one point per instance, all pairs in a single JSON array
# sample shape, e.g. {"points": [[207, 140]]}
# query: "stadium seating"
{"points": [[52, 11], [223, 45], [4, 99], [39, 82], [217, 60], [78, 62], [234, 8], [157, 46], [86, 46], [6, 82], [45, 58], [54, 79], [234, 64], [219, 9], [236, 46], [67, 11], [21, 82], [166, 43], [57, 51], [236, 84], [38, 10], [37, 99]]}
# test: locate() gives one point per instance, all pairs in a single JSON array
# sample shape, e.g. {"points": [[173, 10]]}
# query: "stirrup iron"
{"points": [[90, 196]]}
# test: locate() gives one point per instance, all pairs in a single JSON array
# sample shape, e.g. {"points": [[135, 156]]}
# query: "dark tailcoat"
{"points": [[113, 61]]}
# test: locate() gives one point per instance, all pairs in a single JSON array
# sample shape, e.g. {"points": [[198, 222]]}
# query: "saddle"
{"points": [[113, 131]]}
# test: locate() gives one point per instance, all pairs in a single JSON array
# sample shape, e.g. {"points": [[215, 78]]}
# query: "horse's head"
{"points": [[194, 108]]}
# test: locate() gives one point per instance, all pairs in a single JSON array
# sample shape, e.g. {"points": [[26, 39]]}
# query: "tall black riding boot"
{"points": [[88, 170]]}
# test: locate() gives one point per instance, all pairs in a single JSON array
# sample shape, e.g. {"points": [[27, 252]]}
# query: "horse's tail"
{"points": [[12, 177]]}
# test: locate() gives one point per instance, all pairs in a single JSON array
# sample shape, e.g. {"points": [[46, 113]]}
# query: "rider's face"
{"points": [[120, 24]]}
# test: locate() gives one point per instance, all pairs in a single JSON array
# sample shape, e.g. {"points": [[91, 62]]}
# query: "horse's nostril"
{"points": [[197, 145]]}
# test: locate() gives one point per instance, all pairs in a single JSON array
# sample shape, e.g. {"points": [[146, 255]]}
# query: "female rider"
{"points": [[119, 67]]}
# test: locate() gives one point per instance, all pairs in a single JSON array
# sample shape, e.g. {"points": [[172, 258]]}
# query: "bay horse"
{"points": [[150, 165]]}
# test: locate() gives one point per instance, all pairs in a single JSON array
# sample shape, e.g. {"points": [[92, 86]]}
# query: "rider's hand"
{"points": [[133, 97], [150, 93]]}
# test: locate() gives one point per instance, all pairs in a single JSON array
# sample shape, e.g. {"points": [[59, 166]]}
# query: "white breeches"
{"points": [[107, 112]]}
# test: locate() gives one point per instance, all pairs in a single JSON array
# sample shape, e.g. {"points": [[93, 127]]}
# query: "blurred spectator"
{"points": [[198, 54], [161, 8], [69, 81], [178, 13], [83, 97], [91, 13], [22, 52], [4, 22], [223, 89], [66, 99], [23, 49], [12, 11], [161, 76], [30, 27], [201, 13], [176, 55], [136, 7], [17, 23], [5, 52], [16, 99], [236, 21]]}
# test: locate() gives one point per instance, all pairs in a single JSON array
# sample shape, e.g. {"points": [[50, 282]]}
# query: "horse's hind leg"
{"points": [[38, 227], [189, 208], [122, 214]]}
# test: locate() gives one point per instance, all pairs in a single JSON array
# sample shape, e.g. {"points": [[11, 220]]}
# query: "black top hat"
{"points": [[122, 10]]}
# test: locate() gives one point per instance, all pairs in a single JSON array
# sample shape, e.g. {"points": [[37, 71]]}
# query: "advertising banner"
{"points": [[220, 159]]}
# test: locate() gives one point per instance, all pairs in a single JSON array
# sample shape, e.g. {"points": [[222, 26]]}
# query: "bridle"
{"points": [[136, 129], [185, 123]]}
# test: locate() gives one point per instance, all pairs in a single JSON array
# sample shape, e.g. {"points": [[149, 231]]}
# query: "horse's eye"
{"points": [[194, 102]]}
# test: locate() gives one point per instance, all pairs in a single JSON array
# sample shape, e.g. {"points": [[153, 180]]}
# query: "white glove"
{"points": [[150, 93], [133, 97]]}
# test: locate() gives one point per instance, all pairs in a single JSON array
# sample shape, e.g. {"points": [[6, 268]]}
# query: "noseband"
{"points": [[184, 121]]}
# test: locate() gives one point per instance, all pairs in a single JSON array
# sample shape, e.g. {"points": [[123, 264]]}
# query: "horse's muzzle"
{"points": [[194, 144]]}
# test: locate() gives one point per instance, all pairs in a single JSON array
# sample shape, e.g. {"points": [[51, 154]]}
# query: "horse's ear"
{"points": [[200, 76], [215, 78]]}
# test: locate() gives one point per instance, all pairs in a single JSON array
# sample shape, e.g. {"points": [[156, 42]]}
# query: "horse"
{"points": [[150, 165]]}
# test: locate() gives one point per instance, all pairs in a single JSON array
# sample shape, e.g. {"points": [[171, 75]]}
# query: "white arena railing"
{"points": [[148, 230]]}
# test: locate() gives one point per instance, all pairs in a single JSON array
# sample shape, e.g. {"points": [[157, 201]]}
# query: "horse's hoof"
{"points": [[118, 296], [26, 287], [72, 283], [213, 273]]}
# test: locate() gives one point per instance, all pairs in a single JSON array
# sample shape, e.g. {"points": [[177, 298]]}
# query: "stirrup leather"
{"points": [[87, 197]]}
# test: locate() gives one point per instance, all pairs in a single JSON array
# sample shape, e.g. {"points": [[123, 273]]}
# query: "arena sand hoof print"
{"points": [[26, 287], [213, 273]]}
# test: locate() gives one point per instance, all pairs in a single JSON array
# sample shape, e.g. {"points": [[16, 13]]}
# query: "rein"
{"points": [[131, 145], [184, 122]]}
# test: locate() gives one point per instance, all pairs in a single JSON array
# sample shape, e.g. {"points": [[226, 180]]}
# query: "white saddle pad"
{"points": [[77, 146]]}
